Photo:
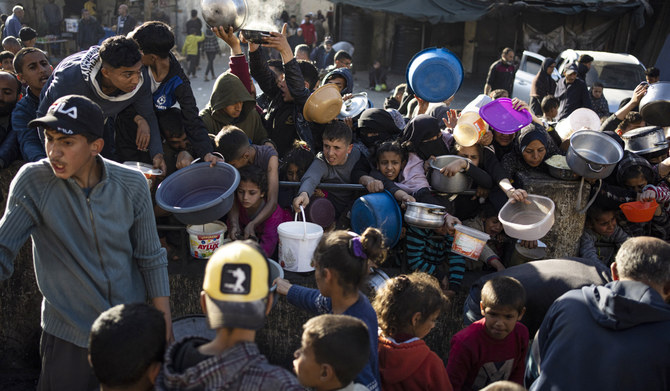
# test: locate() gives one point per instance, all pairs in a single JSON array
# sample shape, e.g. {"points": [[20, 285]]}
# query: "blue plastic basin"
{"points": [[378, 210], [199, 194], [435, 74]]}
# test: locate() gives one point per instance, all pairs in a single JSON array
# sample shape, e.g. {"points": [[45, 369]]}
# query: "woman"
{"points": [[542, 86], [532, 148]]}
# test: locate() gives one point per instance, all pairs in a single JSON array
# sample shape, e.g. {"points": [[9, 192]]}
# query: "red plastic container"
{"points": [[638, 211]]}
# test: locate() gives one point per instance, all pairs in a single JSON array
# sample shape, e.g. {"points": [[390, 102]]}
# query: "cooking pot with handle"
{"points": [[592, 154], [645, 140], [655, 105], [423, 215]]}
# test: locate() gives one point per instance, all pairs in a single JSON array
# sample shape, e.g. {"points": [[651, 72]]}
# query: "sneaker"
{"points": [[384, 88], [378, 88]]}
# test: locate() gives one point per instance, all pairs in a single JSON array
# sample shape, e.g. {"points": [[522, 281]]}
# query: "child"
{"points": [[190, 50], [28, 37], [408, 308], [11, 44], [32, 68], [466, 206], [393, 101], [498, 245], [7, 59], [549, 113], [323, 362], [493, 348], [211, 47], [293, 167], [250, 199], [602, 235], [377, 77], [126, 346], [598, 101], [406, 179], [236, 299], [234, 145], [177, 148], [341, 262], [342, 78]]}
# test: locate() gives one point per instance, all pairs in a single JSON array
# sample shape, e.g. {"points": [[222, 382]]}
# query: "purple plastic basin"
{"points": [[502, 117]]}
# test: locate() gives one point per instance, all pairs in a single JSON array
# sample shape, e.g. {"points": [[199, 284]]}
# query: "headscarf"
{"points": [[421, 128], [376, 121], [529, 134], [543, 84]]}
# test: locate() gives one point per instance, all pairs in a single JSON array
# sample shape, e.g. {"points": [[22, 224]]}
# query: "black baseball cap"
{"points": [[73, 114]]}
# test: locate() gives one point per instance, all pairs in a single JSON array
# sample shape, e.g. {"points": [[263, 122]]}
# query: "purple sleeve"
{"points": [[269, 236], [240, 68]]}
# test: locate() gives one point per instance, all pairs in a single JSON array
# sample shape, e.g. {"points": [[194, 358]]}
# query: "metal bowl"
{"points": [[647, 139], [423, 215], [455, 184], [226, 13], [556, 165], [255, 36]]}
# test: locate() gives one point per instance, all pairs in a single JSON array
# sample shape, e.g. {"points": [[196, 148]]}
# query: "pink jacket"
{"points": [[413, 177], [266, 232]]}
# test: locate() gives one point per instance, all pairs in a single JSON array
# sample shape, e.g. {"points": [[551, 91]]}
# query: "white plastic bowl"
{"points": [[528, 221]]}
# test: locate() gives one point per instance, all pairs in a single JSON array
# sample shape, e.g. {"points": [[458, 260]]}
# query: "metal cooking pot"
{"points": [[645, 140], [455, 184], [592, 154], [423, 215], [655, 105], [225, 13], [354, 106]]}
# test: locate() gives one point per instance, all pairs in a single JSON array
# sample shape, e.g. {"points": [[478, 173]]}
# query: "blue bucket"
{"points": [[378, 210], [435, 74], [199, 194]]}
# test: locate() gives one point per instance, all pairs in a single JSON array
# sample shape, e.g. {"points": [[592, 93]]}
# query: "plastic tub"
{"points": [[297, 242], [528, 221], [435, 74], [584, 118], [469, 129], [502, 117], [378, 210], [204, 239], [469, 242], [639, 211]]}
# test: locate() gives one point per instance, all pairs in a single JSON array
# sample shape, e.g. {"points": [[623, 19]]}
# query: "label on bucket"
{"points": [[467, 246], [203, 246]]}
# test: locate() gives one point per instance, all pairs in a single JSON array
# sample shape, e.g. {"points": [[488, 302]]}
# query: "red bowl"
{"points": [[638, 211]]}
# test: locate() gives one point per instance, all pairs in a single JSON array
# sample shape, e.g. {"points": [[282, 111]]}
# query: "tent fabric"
{"points": [[450, 11]]}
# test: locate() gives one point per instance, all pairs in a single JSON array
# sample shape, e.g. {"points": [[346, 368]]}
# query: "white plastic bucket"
{"points": [[469, 129], [204, 239], [297, 242], [469, 242]]}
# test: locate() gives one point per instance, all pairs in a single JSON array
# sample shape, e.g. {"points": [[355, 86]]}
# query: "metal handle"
{"points": [[593, 169], [437, 211]]}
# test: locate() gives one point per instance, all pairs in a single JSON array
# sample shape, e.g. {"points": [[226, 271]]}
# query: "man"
{"points": [[194, 24], [89, 31], [611, 337], [324, 55], [94, 236], [501, 73], [584, 66], [308, 30], [53, 17], [652, 74], [10, 89], [112, 75], [572, 93], [13, 23], [125, 23]]}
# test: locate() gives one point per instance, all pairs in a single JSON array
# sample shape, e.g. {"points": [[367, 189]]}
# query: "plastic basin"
{"points": [[435, 74], [378, 210], [528, 221], [502, 117], [199, 194], [469, 242], [639, 211]]}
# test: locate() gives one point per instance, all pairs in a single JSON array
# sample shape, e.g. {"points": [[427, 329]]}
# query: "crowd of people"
{"points": [[97, 250]]}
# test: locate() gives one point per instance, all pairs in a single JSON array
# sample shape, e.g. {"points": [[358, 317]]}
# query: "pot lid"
{"points": [[644, 131], [354, 106]]}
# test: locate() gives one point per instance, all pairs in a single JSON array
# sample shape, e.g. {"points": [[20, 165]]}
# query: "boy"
{"points": [[6, 59], [92, 225], [493, 348], [342, 59], [169, 87], [602, 236], [177, 147], [233, 144], [323, 362], [126, 347], [28, 37], [236, 299], [598, 101], [190, 50], [342, 78], [33, 69], [393, 101], [11, 44], [549, 107]]}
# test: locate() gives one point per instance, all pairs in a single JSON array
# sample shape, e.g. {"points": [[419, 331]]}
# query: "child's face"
{"points": [[492, 225], [249, 194], [637, 183], [534, 153], [8, 65], [293, 173], [336, 151], [597, 92], [178, 143], [605, 224], [500, 321], [390, 164], [552, 113], [305, 366], [422, 329], [470, 153], [69, 156], [233, 110], [340, 82], [36, 70], [503, 139]]}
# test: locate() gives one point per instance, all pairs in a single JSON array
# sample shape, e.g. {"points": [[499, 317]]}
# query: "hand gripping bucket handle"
{"points": [[304, 220]]}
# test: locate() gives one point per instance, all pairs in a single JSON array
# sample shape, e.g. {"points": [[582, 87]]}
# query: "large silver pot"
{"points": [[645, 140], [425, 215], [225, 13], [655, 105], [455, 184], [592, 154]]}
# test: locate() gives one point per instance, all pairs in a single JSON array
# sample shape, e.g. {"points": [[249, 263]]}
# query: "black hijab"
{"points": [[421, 128], [376, 121]]}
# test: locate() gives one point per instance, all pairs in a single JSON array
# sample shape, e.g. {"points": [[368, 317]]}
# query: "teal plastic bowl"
{"points": [[378, 210], [435, 74]]}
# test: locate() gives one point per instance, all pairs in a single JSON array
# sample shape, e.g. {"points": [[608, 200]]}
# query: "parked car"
{"points": [[619, 73]]}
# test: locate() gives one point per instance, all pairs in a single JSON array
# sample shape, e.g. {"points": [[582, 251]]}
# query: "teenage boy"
{"points": [[33, 69], [493, 348], [126, 347], [236, 299], [169, 86], [95, 243], [10, 91], [112, 76], [6, 59], [342, 78], [323, 362]]}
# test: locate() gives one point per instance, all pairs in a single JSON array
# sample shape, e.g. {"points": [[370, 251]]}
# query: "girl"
{"points": [[341, 265], [407, 308], [250, 199], [400, 171], [292, 168], [211, 47], [602, 236], [467, 206]]}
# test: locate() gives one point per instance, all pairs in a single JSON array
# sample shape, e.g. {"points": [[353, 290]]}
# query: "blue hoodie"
{"points": [[343, 72]]}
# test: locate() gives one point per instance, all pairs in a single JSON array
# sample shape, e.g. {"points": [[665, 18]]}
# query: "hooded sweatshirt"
{"points": [[411, 366], [77, 75], [228, 90], [612, 337], [346, 74]]}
